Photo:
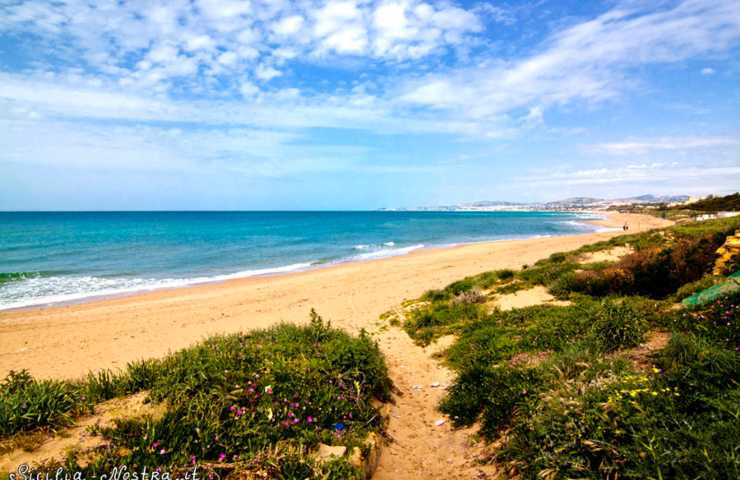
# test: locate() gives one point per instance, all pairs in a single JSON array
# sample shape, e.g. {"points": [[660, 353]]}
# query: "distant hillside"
{"points": [[728, 203], [589, 202], [573, 203]]}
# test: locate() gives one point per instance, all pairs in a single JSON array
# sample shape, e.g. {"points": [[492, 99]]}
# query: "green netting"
{"points": [[711, 294]]}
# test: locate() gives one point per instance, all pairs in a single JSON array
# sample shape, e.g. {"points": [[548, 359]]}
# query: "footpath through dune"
{"points": [[422, 443]]}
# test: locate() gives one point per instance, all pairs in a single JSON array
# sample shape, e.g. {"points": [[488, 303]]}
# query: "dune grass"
{"points": [[560, 386], [256, 404]]}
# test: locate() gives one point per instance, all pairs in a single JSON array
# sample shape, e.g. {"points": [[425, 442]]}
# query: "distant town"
{"points": [[569, 204]]}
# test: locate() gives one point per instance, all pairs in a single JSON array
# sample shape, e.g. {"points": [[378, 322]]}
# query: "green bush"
{"points": [[481, 281], [26, 403], [623, 426], [259, 401], [700, 369], [655, 272], [489, 393], [235, 397], [439, 318], [617, 325]]}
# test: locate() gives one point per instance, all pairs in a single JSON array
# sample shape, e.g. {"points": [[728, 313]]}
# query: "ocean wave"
{"points": [[365, 246], [8, 277], [37, 290], [387, 252], [33, 289], [578, 224]]}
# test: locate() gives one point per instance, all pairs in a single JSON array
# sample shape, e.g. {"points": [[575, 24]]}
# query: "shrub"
{"points": [[258, 401], [491, 393], [617, 325], [26, 403], [623, 426], [481, 281], [506, 274], [239, 396], [700, 370], [654, 272], [557, 257], [471, 296], [439, 318]]}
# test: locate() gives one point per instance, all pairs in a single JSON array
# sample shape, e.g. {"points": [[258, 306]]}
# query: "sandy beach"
{"points": [[68, 341]]}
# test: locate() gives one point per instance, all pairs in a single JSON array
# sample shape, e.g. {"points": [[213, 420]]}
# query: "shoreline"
{"points": [[601, 224], [70, 340]]}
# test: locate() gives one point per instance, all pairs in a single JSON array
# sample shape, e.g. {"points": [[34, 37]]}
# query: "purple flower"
{"points": [[339, 426], [309, 419], [221, 457], [193, 459]]}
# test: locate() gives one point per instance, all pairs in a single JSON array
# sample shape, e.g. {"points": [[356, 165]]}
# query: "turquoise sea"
{"points": [[48, 258]]}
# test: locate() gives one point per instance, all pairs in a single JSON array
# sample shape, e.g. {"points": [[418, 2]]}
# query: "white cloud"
{"points": [[707, 71], [266, 73], [288, 25], [228, 58], [633, 147], [248, 89], [340, 27], [535, 117], [404, 29], [652, 174], [117, 39], [587, 61], [199, 42], [348, 40]]}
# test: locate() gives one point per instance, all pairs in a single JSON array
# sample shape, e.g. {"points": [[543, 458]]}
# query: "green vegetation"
{"points": [[245, 404], [728, 203], [573, 391], [27, 404]]}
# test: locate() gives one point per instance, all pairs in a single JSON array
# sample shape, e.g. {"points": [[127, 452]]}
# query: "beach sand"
{"points": [[68, 341]]}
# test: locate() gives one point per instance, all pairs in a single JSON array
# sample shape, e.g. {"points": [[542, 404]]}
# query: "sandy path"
{"points": [[69, 341], [419, 448]]}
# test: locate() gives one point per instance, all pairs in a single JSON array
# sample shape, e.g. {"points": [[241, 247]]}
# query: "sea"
{"points": [[65, 257]]}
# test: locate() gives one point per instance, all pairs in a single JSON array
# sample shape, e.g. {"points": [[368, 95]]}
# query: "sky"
{"points": [[362, 104]]}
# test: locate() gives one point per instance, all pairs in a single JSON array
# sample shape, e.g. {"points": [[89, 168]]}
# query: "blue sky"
{"points": [[346, 104]]}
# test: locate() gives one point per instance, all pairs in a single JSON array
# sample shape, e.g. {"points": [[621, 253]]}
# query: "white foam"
{"points": [[50, 290], [387, 252]]}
